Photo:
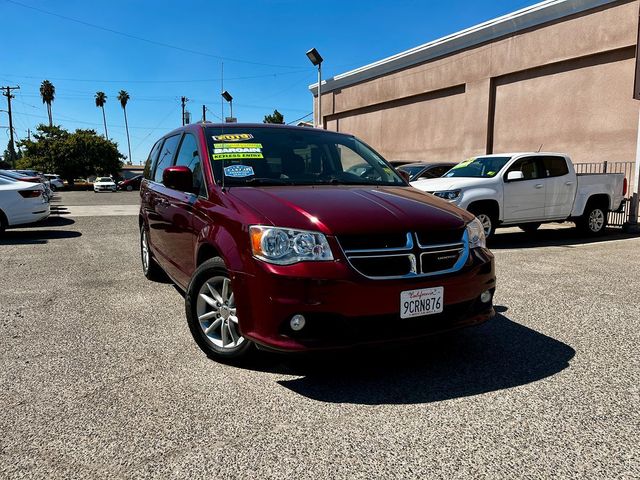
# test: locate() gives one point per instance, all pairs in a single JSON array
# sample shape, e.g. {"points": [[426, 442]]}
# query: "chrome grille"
{"points": [[384, 257]]}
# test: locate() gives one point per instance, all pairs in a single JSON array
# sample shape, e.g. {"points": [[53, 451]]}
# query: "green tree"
{"points": [[10, 156], [124, 98], [275, 117], [101, 99], [71, 155], [48, 93]]}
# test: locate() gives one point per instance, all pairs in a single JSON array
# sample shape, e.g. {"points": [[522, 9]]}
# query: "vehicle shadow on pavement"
{"points": [[551, 238], [38, 232], [497, 355]]}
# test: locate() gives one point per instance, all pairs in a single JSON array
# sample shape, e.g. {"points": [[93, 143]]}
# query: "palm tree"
{"points": [[101, 99], [48, 92], [123, 97]]}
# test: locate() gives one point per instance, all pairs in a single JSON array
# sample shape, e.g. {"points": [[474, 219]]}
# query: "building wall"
{"points": [[566, 86]]}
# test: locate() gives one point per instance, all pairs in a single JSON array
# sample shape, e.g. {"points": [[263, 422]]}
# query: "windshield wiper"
{"points": [[265, 181]]}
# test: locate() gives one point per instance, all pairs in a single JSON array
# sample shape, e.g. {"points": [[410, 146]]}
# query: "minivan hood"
{"points": [[448, 183], [337, 209]]}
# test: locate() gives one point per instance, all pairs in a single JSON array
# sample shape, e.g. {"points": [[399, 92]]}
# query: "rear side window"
{"points": [[189, 156], [555, 166], [165, 158], [151, 160]]}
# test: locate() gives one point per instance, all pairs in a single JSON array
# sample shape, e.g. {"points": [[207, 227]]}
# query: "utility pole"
{"points": [[184, 102], [204, 113], [12, 148]]}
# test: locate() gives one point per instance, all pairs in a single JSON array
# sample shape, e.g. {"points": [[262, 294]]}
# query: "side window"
{"points": [[151, 160], [555, 166], [166, 156], [188, 156], [529, 166], [435, 172]]}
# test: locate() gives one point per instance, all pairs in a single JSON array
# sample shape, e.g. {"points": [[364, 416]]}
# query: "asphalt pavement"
{"points": [[100, 377]]}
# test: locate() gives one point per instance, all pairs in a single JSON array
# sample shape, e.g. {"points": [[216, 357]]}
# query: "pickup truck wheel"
{"points": [[150, 268], [594, 219], [488, 221], [211, 313], [529, 227], [3, 223]]}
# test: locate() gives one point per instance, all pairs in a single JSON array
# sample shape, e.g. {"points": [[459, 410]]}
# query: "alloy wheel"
{"points": [[596, 220], [144, 248], [486, 223], [216, 311]]}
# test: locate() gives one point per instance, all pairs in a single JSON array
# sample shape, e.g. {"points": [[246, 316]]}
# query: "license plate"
{"points": [[426, 301]]}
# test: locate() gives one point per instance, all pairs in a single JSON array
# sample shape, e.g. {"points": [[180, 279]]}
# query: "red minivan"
{"points": [[279, 241]]}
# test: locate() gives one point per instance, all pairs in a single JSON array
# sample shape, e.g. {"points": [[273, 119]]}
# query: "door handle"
{"points": [[568, 183], [539, 185]]}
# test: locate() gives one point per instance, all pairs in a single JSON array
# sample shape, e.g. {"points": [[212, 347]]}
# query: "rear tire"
{"points": [[3, 222], [150, 268], [529, 227], [129, 188], [594, 220], [211, 314]]}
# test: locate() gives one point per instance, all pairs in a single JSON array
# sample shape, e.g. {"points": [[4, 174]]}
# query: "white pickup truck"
{"points": [[528, 189]]}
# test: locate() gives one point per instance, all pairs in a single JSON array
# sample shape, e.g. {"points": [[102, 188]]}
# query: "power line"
{"points": [[153, 42], [195, 80], [301, 118]]}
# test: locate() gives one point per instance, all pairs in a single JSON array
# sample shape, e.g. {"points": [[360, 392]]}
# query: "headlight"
{"points": [[448, 194], [475, 232], [285, 246]]}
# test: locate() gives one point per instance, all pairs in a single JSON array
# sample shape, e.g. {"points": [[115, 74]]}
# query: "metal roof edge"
{"points": [[532, 16]]}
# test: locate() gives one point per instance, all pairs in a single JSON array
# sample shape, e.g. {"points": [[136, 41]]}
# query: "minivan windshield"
{"points": [[478, 167], [261, 156]]}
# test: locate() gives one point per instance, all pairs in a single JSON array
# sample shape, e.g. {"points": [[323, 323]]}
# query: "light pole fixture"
{"points": [[314, 56], [227, 96]]}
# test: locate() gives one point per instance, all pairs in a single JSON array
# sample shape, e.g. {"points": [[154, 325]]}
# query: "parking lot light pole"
{"points": [[316, 59], [227, 96]]}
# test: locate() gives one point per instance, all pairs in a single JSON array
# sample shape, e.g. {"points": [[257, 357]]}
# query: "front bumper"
{"points": [[344, 309]]}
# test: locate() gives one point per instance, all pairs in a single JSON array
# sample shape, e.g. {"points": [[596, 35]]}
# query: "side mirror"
{"points": [[404, 175], [178, 178], [515, 175]]}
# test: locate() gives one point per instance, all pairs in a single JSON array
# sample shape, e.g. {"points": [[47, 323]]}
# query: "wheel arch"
{"points": [[488, 206], [205, 252]]}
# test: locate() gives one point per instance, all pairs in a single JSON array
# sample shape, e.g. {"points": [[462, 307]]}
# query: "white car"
{"points": [[21, 203], [104, 184], [55, 181], [528, 189]]}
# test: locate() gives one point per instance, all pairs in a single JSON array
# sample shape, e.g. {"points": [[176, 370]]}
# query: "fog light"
{"points": [[297, 323], [485, 297]]}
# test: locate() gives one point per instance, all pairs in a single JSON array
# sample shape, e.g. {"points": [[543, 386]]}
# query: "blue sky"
{"points": [[261, 43]]}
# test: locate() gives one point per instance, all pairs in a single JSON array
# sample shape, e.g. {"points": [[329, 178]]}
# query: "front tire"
{"points": [[488, 220], [211, 313], [129, 188]]}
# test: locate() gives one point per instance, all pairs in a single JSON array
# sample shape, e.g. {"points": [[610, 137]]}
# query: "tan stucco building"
{"points": [[558, 74]]}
